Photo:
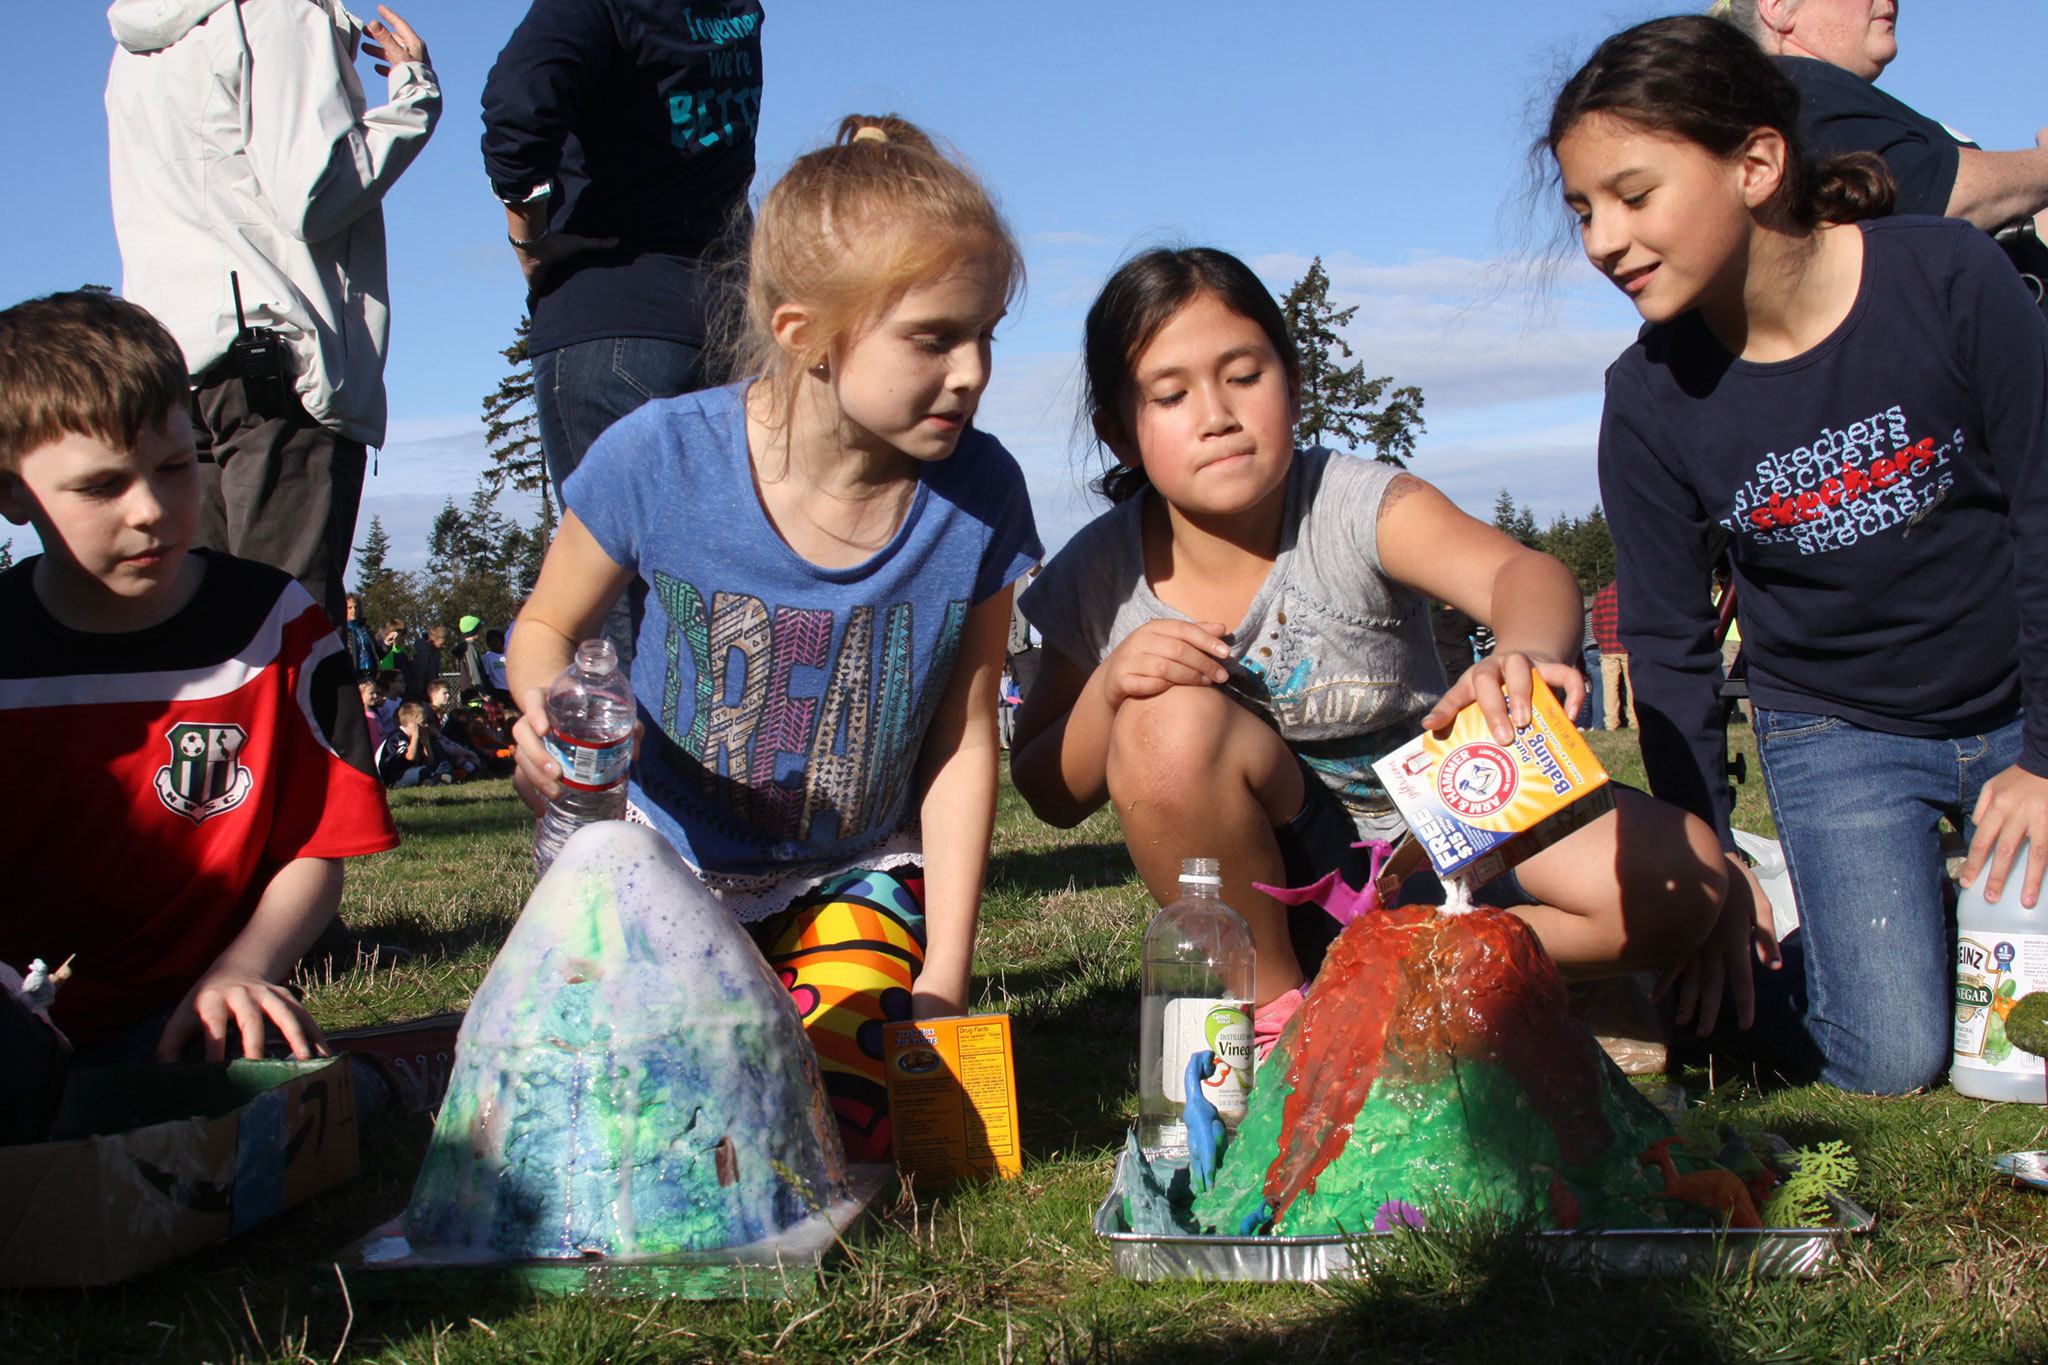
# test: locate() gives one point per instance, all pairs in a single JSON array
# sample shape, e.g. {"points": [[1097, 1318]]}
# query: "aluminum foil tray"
{"points": [[1628, 1253], [783, 1267]]}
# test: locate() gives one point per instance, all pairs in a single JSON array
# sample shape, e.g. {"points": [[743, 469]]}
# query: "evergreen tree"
{"points": [[1504, 511], [1587, 548], [478, 561], [512, 431], [6, 555], [1340, 407], [1517, 522], [448, 549], [1584, 545], [382, 593], [373, 555]]}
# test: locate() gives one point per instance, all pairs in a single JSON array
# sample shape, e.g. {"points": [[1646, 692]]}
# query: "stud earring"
{"points": [[822, 370]]}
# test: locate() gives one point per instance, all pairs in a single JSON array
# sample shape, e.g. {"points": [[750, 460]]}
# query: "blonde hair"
{"points": [[847, 230], [1742, 15]]}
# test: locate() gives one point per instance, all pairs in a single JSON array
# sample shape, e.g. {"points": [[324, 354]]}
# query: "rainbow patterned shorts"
{"points": [[848, 950]]}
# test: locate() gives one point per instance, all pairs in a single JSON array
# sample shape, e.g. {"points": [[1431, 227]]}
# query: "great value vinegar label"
{"points": [[1221, 1027], [1994, 972], [1479, 807]]}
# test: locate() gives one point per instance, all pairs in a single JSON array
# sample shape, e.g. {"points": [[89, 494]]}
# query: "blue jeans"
{"points": [[579, 391], [1859, 815]]}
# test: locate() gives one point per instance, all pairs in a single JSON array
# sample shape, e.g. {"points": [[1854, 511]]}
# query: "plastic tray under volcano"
{"points": [[1633, 1253], [780, 1267]]}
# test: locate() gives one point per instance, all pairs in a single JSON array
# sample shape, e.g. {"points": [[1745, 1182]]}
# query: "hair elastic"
{"points": [[871, 134]]}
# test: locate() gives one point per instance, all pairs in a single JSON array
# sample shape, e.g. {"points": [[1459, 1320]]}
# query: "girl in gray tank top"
{"points": [[1231, 645]]}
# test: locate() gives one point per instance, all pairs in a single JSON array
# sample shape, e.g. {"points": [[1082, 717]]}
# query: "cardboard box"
{"points": [[154, 1162], [953, 1097], [1479, 808]]}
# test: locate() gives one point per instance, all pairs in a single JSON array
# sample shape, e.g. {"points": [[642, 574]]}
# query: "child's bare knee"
{"points": [[1165, 748]]}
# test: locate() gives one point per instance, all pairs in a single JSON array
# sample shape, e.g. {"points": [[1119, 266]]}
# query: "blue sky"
{"points": [[1385, 138]]}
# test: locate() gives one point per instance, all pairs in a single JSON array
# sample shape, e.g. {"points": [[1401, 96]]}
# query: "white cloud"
{"points": [[1472, 334], [427, 461], [1549, 469], [1031, 407]]}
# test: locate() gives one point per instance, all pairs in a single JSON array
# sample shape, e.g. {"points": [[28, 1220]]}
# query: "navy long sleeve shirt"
{"points": [[1877, 494], [642, 115]]}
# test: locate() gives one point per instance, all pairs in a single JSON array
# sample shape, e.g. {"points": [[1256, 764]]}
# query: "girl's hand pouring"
{"points": [[1501, 684]]}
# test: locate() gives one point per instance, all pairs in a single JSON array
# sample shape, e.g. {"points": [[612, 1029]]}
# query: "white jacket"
{"points": [[239, 141]]}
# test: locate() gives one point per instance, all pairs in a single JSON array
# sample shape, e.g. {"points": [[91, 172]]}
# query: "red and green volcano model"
{"points": [[1436, 1069]]}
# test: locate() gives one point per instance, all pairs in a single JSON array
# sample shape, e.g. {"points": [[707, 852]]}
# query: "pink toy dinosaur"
{"points": [[1335, 895]]}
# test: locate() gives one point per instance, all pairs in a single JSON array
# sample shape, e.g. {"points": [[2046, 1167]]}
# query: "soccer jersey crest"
{"points": [[205, 776]]}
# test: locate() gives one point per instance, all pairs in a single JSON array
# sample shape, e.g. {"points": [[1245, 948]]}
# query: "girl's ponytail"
{"points": [[1703, 80], [1851, 188], [886, 129]]}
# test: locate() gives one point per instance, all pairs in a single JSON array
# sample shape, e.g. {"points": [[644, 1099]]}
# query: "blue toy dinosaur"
{"points": [[1205, 1130]]}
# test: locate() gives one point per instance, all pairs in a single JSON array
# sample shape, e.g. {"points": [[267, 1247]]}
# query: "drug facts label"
{"points": [[1223, 1027], [1994, 972]]}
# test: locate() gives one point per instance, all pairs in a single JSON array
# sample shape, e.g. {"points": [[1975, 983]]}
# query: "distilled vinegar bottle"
{"points": [[1197, 998]]}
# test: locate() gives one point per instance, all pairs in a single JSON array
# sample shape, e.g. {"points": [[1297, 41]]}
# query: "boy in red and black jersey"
{"points": [[187, 739]]}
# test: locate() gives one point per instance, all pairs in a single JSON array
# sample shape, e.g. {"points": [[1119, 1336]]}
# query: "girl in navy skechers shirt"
{"points": [[1853, 411]]}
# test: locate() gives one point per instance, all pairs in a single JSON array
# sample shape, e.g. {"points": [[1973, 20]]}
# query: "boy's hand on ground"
{"points": [[2012, 808], [1501, 684], [1745, 928], [1162, 654], [221, 1002]]}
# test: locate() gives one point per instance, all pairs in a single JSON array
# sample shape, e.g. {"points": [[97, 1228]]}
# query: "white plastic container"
{"points": [[2001, 957], [1768, 863]]}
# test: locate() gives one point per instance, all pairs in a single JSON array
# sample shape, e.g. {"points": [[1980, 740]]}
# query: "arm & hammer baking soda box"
{"points": [[1478, 808]]}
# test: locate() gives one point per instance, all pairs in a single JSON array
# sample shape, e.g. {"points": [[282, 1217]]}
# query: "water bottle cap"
{"points": [[597, 656]]}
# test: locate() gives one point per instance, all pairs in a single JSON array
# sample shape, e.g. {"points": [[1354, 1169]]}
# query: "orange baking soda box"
{"points": [[1479, 808], [953, 1097]]}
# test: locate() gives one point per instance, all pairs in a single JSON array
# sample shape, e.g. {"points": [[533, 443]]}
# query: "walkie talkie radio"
{"points": [[259, 357]]}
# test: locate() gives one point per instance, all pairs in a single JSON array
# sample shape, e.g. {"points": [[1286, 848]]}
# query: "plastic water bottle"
{"points": [[1197, 998], [590, 733], [2001, 957]]}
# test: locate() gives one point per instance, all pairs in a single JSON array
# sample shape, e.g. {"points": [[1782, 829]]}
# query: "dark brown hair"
{"points": [[1141, 298], [1700, 79], [84, 362]]}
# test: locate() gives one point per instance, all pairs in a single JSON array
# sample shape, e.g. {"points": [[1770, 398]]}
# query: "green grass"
{"points": [[1958, 1269]]}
